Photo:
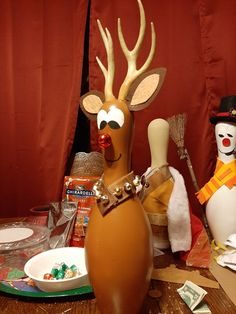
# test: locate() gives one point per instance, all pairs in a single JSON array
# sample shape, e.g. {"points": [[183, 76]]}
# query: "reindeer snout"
{"points": [[104, 140]]}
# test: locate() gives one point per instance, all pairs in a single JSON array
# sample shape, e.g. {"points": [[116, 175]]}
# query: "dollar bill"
{"points": [[202, 308], [193, 295]]}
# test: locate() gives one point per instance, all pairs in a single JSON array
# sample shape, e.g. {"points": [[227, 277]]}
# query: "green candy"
{"points": [[64, 267], [54, 271], [60, 274], [73, 268]]}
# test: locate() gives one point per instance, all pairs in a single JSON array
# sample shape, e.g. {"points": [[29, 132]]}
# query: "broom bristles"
{"points": [[177, 128]]}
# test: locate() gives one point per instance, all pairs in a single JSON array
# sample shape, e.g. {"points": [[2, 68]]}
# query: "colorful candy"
{"points": [[62, 271], [47, 276]]}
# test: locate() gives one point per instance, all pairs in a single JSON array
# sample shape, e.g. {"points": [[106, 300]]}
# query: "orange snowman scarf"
{"points": [[225, 174]]}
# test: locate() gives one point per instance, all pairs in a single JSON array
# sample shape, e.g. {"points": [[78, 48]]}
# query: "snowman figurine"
{"points": [[219, 192]]}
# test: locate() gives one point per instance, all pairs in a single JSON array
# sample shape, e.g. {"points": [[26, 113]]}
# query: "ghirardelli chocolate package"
{"points": [[80, 189]]}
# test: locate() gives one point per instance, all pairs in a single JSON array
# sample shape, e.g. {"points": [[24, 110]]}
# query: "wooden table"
{"points": [[169, 302]]}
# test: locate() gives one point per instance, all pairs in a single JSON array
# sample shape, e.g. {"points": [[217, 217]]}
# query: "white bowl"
{"points": [[43, 263]]}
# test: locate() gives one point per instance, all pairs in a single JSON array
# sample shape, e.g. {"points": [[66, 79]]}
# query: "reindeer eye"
{"points": [[113, 124], [102, 125], [102, 119], [115, 118]]}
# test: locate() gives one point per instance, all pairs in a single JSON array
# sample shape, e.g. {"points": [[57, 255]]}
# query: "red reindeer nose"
{"points": [[104, 140]]}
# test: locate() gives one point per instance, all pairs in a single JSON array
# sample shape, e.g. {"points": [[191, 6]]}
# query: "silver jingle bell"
{"points": [[137, 180], [104, 199], [98, 194], [128, 187], [118, 192]]}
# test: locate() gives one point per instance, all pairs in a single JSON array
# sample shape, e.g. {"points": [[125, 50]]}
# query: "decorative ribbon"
{"points": [[225, 174]]}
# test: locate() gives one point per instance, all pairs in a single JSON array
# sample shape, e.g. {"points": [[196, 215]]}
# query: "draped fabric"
{"points": [[41, 58], [196, 43]]}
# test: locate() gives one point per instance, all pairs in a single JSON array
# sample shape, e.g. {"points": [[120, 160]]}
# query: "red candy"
{"points": [[48, 276]]}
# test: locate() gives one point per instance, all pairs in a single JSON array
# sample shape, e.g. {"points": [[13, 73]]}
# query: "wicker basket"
{"points": [[87, 164]]}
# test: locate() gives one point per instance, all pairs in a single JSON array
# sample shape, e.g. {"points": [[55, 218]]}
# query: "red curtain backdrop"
{"points": [[41, 57], [196, 43]]}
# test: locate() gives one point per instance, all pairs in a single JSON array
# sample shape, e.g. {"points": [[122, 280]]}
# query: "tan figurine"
{"points": [[164, 195], [158, 138], [118, 242], [159, 183]]}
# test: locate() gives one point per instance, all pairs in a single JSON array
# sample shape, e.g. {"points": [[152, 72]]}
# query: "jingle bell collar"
{"points": [[227, 110], [108, 197]]}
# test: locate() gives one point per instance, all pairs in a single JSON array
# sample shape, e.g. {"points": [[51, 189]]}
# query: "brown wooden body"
{"points": [[119, 257], [119, 241]]}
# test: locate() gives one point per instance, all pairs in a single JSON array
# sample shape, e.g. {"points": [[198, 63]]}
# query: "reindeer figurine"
{"points": [[118, 242]]}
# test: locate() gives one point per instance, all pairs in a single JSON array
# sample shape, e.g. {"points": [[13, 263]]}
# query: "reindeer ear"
{"points": [[91, 103], [145, 88]]}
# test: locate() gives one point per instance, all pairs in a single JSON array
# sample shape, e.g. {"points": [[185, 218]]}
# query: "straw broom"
{"points": [[177, 125]]}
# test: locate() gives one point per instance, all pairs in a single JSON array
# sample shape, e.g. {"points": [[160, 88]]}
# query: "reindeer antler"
{"points": [[110, 71], [131, 55]]}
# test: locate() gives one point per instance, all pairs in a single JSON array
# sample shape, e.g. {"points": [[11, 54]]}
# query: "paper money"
{"points": [[192, 295], [202, 308]]}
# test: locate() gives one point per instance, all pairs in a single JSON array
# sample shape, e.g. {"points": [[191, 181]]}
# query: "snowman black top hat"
{"points": [[227, 110]]}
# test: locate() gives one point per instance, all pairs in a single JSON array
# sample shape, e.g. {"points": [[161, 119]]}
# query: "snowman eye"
{"points": [[102, 119], [229, 135], [221, 135], [115, 118]]}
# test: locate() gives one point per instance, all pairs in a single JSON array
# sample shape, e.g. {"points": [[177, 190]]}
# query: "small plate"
{"points": [[20, 235], [15, 234], [21, 288]]}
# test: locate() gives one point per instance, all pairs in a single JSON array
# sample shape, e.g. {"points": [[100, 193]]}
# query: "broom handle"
{"points": [[183, 154], [196, 186], [190, 168]]}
